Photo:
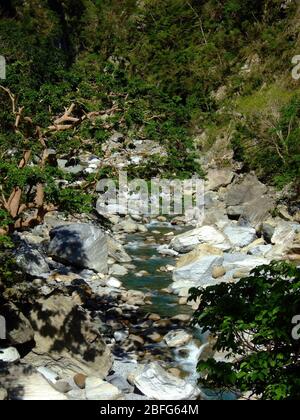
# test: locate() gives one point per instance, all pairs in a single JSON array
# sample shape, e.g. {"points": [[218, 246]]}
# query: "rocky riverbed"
{"points": [[101, 310]]}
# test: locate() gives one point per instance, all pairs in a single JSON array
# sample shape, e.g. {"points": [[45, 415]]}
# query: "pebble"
{"points": [[113, 282], [136, 339], [142, 274], [218, 272], [163, 323], [154, 317], [155, 337], [79, 380], [3, 394], [181, 318]]}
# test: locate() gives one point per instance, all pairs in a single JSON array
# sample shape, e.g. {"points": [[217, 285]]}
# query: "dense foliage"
{"points": [[159, 63], [252, 323]]}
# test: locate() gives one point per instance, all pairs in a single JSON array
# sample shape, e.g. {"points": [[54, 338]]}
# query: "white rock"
{"points": [[3, 394], [108, 210], [285, 233], [262, 250], [112, 282], [52, 378], [177, 338], [204, 235], [48, 374], [9, 355], [99, 390], [164, 250], [120, 335], [196, 274], [156, 383], [240, 236], [245, 263]]}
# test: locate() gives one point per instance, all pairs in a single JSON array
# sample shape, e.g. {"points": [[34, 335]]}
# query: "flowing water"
{"points": [[146, 258]]}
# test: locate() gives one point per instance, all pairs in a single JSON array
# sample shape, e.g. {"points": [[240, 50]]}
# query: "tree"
{"points": [[28, 191], [252, 322]]}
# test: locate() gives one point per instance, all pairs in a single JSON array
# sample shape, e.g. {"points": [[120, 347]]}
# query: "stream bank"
{"points": [[99, 312]]}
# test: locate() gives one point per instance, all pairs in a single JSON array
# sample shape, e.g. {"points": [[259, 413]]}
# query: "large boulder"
{"points": [[18, 327], [217, 178], [284, 233], [284, 238], [248, 199], [117, 251], [196, 269], [242, 263], [154, 382], [240, 236], [64, 332], [187, 241], [244, 190], [80, 245]]}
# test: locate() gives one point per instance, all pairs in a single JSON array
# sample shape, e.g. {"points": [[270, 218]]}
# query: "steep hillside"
{"points": [[96, 300], [173, 71], [209, 81]]}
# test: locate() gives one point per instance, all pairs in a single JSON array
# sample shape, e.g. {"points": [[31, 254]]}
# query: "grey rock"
{"points": [[196, 271], [120, 382], [244, 190], [240, 236], [31, 261], [249, 199], [260, 250], [118, 270], [243, 263], [18, 327], [117, 251], [80, 245], [68, 339], [218, 178]]}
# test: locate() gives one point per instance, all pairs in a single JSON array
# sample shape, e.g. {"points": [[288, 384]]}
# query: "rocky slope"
{"points": [[74, 331]]}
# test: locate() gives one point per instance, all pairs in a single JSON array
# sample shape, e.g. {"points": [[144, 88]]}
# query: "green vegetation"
{"points": [[252, 322], [156, 64], [270, 144], [192, 75]]}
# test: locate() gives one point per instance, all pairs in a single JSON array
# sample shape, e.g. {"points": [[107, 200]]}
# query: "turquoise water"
{"points": [[146, 258]]}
